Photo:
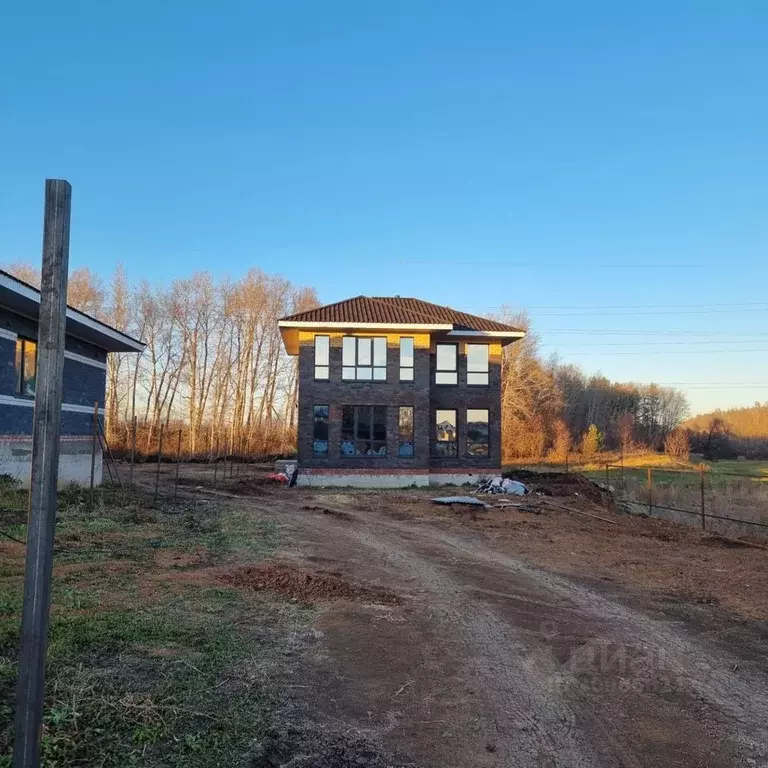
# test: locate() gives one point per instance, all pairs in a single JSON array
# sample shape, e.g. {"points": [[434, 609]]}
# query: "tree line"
{"points": [[731, 433], [552, 410], [214, 367], [215, 370]]}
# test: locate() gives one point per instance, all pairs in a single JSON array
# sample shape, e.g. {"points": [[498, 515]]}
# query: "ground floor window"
{"points": [[478, 441], [320, 434], [446, 433], [405, 427], [364, 430], [26, 367]]}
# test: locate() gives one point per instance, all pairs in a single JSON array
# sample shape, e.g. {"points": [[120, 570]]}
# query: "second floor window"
{"points": [[477, 364], [322, 357], [406, 359], [26, 367], [364, 359], [446, 371]]}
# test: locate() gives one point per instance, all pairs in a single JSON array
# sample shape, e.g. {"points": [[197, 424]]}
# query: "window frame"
{"points": [[478, 372], [412, 367], [487, 444], [400, 439], [374, 442], [327, 365], [454, 370], [455, 442], [20, 358], [356, 366], [315, 408]]}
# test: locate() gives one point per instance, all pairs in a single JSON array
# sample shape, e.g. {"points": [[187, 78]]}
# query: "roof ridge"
{"points": [[434, 318], [323, 306]]}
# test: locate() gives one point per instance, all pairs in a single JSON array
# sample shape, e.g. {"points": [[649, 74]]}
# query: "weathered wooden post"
{"points": [[650, 491], [46, 430], [178, 459], [159, 457], [94, 446], [133, 449]]}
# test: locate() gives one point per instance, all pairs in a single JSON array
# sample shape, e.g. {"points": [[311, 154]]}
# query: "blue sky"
{"points": [[600, 163]]}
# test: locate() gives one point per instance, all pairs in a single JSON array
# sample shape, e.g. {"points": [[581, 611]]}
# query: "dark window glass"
{"points": [[348, 430], [363, 430], [478, 438], [364, 359], [446, 364], [322, 357], [379, 422], [364, 423], [405, 430], [406, 359], [477, 364], [26, 367], [446, 433], [320, 435]]}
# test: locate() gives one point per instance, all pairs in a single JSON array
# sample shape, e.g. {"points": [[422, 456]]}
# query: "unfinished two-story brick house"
{"points": [[396, 391]]}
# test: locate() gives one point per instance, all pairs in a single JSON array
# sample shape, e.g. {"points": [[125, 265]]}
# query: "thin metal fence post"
{"points": [[607, 478], [703, 514], [623, 476], [650, 491], [178, 459], [159, 457], [44, 475], [566, 462], [133, 451], [94, 443], [216, 462]]}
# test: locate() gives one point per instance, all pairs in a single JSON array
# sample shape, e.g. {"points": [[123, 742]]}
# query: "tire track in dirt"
{"points": [[540, 669]]}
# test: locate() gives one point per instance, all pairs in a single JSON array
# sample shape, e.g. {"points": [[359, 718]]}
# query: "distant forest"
{"points": [[731, 433]]}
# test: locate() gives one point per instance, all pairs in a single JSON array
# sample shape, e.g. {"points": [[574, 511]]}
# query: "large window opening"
{"points": [[322, 358], [405, 428], [320, 430], [477, 364], [26, 367], [364, 430], [446, 433], [446, 364], [478, 438], [406, 359], [364, 359]]}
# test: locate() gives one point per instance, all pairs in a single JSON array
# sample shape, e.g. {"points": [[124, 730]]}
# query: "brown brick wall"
{"points": [[461, 397], [423, 396]]}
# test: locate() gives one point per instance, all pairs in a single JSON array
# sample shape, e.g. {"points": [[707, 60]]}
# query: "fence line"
{"points": [[703, 474]]}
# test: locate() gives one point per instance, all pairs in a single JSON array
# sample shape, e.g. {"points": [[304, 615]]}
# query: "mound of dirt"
{"points": [[303, 584], [560, 484], [313, 747]]}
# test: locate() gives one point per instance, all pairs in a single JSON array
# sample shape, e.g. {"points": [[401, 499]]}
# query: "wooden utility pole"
{"points": [[46, 430]]}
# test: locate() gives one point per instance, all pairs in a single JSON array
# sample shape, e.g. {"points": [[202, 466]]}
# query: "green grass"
{"points": [[148, 672]]}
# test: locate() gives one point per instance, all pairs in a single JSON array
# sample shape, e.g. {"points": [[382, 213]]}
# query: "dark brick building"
{"points": [[85, 374], [396, 391]]}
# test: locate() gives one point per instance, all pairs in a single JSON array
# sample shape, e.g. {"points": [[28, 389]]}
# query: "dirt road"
{"points": [[489, 662]]}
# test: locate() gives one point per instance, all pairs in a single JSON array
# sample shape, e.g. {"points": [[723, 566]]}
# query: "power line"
{"points": [[543, 265], [676, 352], [624, 306], [635, 332], [654, 343]]}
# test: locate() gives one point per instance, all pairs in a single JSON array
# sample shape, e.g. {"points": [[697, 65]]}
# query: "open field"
{"points": [[732, 489], [255, 626]]}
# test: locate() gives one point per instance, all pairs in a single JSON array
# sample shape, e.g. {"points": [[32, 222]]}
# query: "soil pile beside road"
{"points": [[305, 585]]}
